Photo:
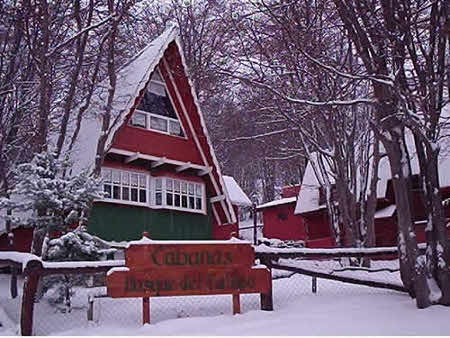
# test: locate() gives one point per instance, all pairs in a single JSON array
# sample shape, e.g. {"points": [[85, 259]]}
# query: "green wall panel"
{"points": [[123, 223]]}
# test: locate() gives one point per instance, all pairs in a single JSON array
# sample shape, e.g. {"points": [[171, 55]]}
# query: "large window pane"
{"points": [[125, 193], [198, 190], [116, 176], [125, 178], [142, 195], [107, 189], [134, 194], [158, 198], [169, 199], [107, 175], [169, 184], [175, 128], [158, 184], [134, 180], [142, 181], [198, 203], [184, 201], [139, 119], [116, 192], [158, 123]]}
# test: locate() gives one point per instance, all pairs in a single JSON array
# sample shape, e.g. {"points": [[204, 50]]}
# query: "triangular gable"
{"points": [[132, 79]]}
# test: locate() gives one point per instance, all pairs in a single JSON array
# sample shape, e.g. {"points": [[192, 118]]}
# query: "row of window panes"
{"points": [[129, 186], [124, 185], [160, 123], [178, 194]]}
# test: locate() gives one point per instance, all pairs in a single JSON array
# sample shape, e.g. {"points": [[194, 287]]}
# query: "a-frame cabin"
{"points": [[160, 171]]}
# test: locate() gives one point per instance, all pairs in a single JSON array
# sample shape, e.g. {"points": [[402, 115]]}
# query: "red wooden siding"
{"points": [[22, 240], [280, 222], [158, 144], [174, 61], [225, 231]]}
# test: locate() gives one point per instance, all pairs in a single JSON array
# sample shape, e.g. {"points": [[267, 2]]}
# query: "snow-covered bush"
{"points": [[76, 245], [56, 199]]}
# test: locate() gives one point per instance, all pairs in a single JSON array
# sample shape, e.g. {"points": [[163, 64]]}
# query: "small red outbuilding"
{"points": [[280, 221]]}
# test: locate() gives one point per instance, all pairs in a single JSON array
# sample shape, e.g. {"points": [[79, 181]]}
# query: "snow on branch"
{"points": [[355, 101], [75, 36], [254, 137]]}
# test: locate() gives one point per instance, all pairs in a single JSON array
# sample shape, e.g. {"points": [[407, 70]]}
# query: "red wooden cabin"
{"points": [[160, 172], [280, 221]]}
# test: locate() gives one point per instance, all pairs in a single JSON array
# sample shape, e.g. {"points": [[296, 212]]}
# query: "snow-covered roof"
{"points": [[308, 197], [235, 193], [277, 202], [386, 212], [384, 172], [131, 79]]}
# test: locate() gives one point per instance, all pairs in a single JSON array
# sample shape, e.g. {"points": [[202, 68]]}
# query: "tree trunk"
{"points": [[413, 280], [438, 251]]}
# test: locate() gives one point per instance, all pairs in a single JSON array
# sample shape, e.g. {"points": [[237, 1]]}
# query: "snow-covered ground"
{"points": [[336, 309]]}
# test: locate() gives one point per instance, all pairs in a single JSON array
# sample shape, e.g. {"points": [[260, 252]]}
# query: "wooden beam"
{"points": [[159, 162], [132, 158], [217, 198], [204, 172], [358, 281], [183, 167]]}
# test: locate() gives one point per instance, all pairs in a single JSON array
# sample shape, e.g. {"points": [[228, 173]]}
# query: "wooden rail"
{"points": [[33, 271], [271, 256]]}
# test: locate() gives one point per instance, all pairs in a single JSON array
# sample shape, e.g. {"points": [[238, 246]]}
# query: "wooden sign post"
{"points": [[188, 268]]}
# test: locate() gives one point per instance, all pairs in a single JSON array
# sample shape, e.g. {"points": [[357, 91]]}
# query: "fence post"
{"points": [[90, 311], [32, 272], [267, 298], [236, 303], [314, 284], [145, 310]]}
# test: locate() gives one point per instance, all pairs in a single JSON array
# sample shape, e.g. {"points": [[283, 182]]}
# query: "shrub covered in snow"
{"points": [[50, 198]]}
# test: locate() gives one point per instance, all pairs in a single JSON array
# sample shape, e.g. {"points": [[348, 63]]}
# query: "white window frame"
{"points": [[151, 191], [168, 119], [164, 191], [121, 186]]}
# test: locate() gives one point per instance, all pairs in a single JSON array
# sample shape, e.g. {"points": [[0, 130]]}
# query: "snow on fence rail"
{"points": [[264, 251], [276, 258]]}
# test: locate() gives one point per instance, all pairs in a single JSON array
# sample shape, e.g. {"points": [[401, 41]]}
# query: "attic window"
{"points": [[155, 110]]}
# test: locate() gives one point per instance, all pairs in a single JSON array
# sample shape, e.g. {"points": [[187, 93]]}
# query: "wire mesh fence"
{"points": [[288, 287], [54, 313]]}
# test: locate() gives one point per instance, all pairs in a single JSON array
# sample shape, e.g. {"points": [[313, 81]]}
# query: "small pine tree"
{"points": [[76, 245], [56, 200]]}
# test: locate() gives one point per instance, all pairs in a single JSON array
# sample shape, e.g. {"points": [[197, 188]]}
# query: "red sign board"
{"points": [[178, 283], [181, 269], [198, 256]]}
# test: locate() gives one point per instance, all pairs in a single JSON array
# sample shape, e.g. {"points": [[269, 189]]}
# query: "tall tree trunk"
{"points": [[411, 269], [438, 251]]}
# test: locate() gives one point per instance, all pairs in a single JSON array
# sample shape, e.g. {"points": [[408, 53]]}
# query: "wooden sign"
{"points": [[180, 283], [198, 256], [159, 268]]}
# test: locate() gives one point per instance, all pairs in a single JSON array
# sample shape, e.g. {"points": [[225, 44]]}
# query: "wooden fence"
{"points": [[33, 269], [271, 257]]}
